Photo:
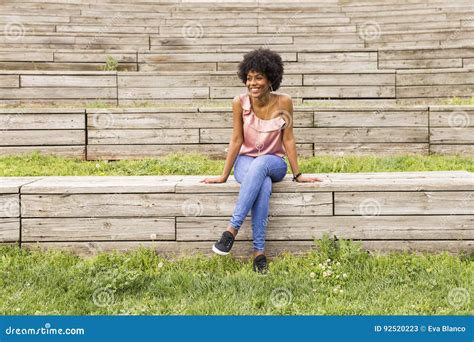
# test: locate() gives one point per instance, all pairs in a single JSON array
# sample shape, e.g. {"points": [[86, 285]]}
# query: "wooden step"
{"points": [[423, 211], [134, 133]]}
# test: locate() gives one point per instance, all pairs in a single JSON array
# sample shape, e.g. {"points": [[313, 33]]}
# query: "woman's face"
{"points": [[257, 84]]}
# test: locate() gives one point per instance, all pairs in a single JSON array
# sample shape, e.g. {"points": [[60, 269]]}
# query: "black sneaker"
{"points": [[224, 245], [260, 264]]}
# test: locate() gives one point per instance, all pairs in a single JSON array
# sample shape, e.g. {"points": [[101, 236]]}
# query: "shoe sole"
{"points": [[215, 250]]}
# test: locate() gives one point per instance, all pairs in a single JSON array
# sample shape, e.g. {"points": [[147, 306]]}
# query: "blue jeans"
{"points": [[255, 175]]}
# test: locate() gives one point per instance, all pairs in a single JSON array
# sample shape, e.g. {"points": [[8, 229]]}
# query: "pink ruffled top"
{"points": [[260, 136]]}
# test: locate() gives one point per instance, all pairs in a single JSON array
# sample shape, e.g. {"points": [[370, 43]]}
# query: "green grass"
{"points": [[460, 102], [141, 282], [194, 164], [111, 64]]}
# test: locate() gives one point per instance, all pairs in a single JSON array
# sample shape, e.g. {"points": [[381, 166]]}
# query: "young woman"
{"points": [[262, 136]]}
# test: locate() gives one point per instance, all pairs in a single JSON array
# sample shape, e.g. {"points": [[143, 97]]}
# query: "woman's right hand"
{"points": [[220, 179]]}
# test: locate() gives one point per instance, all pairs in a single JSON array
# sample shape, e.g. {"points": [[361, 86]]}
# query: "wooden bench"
{"points": [[416, 211]]}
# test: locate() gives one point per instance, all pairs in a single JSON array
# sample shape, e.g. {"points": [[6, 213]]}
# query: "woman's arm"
{"points": [[235, 143], [288, 137], [289, 140], [237, 138]]}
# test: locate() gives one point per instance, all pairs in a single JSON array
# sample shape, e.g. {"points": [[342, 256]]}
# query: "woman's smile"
{"points": [[254, 90]]}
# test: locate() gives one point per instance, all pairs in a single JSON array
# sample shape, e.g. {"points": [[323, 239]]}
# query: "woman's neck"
{"points": [[263, 101]]}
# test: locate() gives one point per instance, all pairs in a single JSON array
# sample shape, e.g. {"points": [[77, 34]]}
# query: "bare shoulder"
{"points": [[236, 99], [285, 101], [236, 102]]}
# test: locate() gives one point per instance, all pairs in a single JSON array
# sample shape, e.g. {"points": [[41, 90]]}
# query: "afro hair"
{"points": [[264, 61]]}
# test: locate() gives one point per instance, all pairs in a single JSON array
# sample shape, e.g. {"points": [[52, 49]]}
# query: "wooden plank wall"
{"points": [[156, 26], [128, 88], [426, 211], [134, 133], [166, 36], [215, 59], [53, 87], [55, 131]]}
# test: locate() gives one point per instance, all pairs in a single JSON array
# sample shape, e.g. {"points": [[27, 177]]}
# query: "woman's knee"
{"points": [[275, 166]]}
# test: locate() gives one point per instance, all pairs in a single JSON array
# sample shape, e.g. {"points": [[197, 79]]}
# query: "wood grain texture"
{"points": [[98, 229], [244, 249]]}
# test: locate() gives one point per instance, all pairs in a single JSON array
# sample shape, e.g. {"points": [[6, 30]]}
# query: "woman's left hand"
{"points": [[308, 179]]}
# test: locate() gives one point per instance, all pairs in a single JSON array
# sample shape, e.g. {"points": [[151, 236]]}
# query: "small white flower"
{"points": [[97, 165], [338, 263], [160, 264], [335, 290], [344, 275], [320, 265], [328, 260], [312, 274], [341, 291], [337, 276]]}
